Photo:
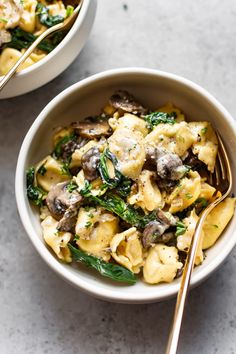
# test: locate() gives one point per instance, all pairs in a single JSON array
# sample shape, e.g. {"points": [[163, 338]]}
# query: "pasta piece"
{"points": [[129, 121], [100, 233], [176, 138], [128, 146], [184, 241], [109, 110], [87, 218], [207, 191], [58, 241], [186, 192], [78, 153], [169, 108], [161, 264], [53, 173], [10, 11], [28, 16], [61, 133], [9, 57], [126, 249], [206, 148], [58, 8], [44, 212], [216, 221], [97, 185], [148, 195]]}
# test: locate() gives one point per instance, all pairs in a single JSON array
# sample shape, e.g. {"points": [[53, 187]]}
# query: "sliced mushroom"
{"points": [[166, 217], [63, 204], [70, 146], [93, 128], [169, 165], [68, 221], [193, 161], [125, 101], [155, 230], [90, 162], [152, 232]]}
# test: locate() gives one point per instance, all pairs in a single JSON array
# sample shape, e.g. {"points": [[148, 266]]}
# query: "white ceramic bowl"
{"points": [[58, 60], [153, 88]]}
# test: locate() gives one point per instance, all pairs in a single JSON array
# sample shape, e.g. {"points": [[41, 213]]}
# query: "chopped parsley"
{"points": [[202, 201], [3, 20], [45, 18], [69, 10], [88, 224], [42, 170], [77, 237], [180, 228], [156, 118], [34, 193], [71, 186], [203, 130], [65, 169], [188, 195]]}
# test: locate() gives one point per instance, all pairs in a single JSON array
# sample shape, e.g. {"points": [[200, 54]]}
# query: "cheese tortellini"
{"points": [[122, 192], [127, 250], [128, 146], [95, 229], [185, 193], [161, 264], [58, 241]]}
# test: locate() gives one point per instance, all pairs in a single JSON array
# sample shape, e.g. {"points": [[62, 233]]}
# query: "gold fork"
{"points": [[67, 23], [222, 180]]}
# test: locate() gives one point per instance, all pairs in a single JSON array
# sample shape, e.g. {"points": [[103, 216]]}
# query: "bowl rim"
{"points": [[78, 22], [116, 295]]}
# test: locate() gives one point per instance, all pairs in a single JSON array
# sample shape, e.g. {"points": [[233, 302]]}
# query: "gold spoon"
{"points": [[67, 23]]}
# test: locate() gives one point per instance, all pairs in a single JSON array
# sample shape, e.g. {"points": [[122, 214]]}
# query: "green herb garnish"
{"points": [[216, 226], [202, 201], [119, 181], [71, 186], [88, 224], [118, 206], [180, 228], [109, 270], [35, 194], [203, 130], [156, 118], [21, 39], [76, 237], [3, 20], [58, 150], [42, 170], [69, 10], [45, 18]]}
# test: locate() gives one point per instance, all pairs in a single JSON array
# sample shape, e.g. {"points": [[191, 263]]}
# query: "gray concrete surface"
{"points": [[40, 313]]}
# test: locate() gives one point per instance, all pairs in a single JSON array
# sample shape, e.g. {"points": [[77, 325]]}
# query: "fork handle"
{"points": [[173, 339]]}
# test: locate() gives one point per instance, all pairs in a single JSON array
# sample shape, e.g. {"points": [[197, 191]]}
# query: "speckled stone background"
{"points": [[39, 312]]}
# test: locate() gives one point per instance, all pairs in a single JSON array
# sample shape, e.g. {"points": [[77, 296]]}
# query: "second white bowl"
{"points": [[58, 60]]}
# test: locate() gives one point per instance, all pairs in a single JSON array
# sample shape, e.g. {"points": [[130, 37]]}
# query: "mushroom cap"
{"points": [[90, 162], [59, 199], [92, 128], [125, 101]]}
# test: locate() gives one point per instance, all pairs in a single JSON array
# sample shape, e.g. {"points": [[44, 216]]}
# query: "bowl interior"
{"points": [[86, 98]]}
